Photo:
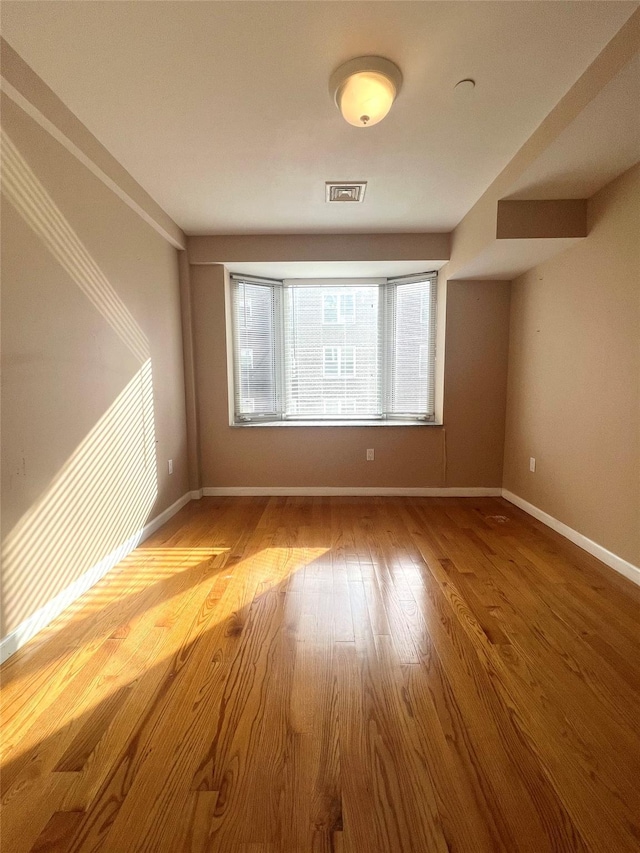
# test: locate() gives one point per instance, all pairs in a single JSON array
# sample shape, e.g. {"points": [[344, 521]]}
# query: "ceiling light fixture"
{"points": [[365, 88]]}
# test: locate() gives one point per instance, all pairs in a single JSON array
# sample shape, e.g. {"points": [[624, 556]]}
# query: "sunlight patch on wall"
{"points": [[41, 213], [94, 509], [99, 499]]}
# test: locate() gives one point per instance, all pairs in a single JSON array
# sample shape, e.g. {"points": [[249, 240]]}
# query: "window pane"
{"points": [[255, 348], [332, 367], [411, 348]]}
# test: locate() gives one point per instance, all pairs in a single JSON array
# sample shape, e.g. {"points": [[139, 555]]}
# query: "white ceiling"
{"points": [[221, 110]]}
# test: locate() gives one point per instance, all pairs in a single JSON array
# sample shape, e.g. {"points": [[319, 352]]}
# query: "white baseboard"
{"points": [[42, 617], [164, 516], [196, 494], [608, 557], [353, 491]]}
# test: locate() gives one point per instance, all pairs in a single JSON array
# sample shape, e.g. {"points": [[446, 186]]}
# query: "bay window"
{"points": [[354, 350]]}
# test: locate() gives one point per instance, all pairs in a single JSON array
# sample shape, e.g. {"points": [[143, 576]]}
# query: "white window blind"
{"points": [[410, 345], [354, 350], [331, 363], [339, 362], [256, 345]]}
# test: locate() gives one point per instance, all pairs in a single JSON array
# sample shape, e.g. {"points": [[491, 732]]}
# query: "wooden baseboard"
{"points": [[624, 567], [46, 614]]}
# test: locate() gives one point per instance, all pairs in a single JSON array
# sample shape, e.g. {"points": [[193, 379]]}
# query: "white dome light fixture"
{"points": [[365, 88]]}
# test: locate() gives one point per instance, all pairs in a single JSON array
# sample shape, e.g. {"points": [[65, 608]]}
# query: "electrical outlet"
{"points": [[171, 466], [532, 464], [371, 454]]}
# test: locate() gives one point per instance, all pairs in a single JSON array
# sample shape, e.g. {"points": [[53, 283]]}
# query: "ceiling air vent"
{"points": [[349, 191]]}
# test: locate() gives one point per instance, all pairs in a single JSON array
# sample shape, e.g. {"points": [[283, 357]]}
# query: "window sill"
{"points": [[394, 423]]}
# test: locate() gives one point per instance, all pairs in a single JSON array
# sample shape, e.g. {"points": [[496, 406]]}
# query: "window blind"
{"points": [[256, 348], [331, 351], [410, 345], [348, 350]]}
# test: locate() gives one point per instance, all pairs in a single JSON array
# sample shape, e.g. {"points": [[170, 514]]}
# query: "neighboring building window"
{"points": [[329, 308], [331, 362], [339, 362], [338, 307], [346, 308], [316, 350]]}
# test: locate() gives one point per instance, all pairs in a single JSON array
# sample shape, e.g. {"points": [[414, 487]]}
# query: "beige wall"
{"points": [[475, 381], [476, 346], [92, 394], [266, 248], [574, 375]]}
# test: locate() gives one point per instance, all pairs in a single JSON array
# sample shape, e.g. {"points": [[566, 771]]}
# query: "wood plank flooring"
{"points": [[332, 675]]}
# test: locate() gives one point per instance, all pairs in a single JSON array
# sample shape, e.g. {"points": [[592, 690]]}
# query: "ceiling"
{"points": [[602, 142], [221, 110]]}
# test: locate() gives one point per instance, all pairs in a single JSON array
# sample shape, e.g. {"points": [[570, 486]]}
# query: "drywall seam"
{"points": [[608, 557], [42, 617]]}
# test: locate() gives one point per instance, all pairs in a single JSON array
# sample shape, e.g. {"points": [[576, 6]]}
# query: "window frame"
{"points": [[387, 287]]}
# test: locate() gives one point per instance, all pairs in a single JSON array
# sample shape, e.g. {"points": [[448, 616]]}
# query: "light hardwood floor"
{"points": [[380, 675]]}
